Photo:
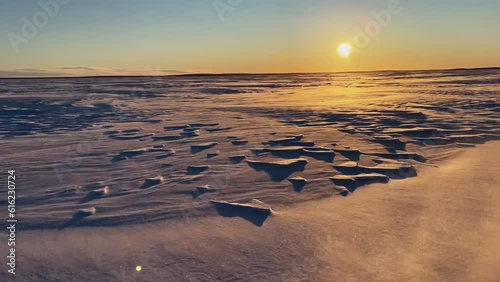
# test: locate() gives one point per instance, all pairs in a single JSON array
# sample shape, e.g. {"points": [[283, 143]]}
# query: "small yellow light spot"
{"points": [[138, 268], [344, 50]]}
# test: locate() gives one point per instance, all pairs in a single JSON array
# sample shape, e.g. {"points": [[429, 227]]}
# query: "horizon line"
{"points": [[249, 73]]}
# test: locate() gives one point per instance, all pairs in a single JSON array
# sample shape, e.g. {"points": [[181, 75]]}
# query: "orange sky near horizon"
{"points": [[170, 37]]}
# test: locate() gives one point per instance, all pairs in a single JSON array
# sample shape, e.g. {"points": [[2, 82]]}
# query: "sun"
{"points": [[344, 50]]}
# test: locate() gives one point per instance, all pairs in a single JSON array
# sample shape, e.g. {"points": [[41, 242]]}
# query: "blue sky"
{"points": [[129, 37]]}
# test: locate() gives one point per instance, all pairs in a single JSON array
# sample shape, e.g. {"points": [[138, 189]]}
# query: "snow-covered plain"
{"points": [[292, 177]]}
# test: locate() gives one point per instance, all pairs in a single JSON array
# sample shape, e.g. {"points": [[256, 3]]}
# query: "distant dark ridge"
{"points": [[248, 74]]}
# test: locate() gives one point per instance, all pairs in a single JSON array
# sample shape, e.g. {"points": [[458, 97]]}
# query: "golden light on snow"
{"points": [[344, 49]]}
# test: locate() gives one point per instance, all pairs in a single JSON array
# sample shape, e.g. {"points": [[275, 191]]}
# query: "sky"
{"points": [[157, 37]]}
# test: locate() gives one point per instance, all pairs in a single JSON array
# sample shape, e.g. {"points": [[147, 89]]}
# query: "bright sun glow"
{"points": [[344, 49]]}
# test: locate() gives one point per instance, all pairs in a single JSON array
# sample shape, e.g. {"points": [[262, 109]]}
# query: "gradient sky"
{"points": [[91, 37]]}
